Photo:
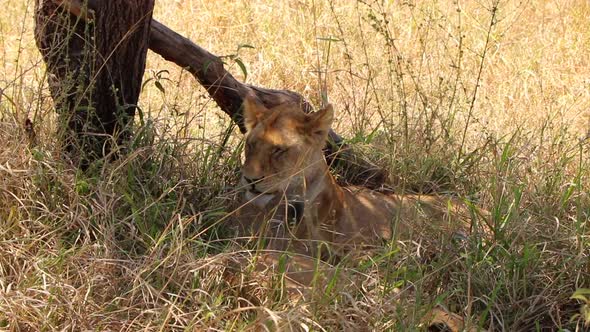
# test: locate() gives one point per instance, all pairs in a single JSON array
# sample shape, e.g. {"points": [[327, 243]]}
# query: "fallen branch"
{"points": [[229, 93]]}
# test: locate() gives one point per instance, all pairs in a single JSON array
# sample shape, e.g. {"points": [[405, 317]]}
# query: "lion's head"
{"points": [[283, 147]]}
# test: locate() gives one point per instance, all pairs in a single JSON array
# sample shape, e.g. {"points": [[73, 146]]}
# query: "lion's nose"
{"points": [[251, 181]]}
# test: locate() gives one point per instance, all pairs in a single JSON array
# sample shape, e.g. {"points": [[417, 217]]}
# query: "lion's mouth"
{"points": [[258, 198], [253, 190]]}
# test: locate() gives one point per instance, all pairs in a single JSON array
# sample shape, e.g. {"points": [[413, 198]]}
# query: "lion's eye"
{"points": [[278, 151]]}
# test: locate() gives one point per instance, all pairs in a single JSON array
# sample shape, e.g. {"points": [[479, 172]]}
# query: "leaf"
{"points": [[87, 108], [141, 116], [160, 87], [82, 187], [243, 67], [161, 73], [240, 46], [582, 294], [146, 82], [207, 64], [330, 39]]}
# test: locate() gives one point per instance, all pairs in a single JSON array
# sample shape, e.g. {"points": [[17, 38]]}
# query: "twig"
{"points": [[480, 71]]}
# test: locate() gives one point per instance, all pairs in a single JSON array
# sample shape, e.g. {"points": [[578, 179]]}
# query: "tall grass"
{"points": [[487, 101]]}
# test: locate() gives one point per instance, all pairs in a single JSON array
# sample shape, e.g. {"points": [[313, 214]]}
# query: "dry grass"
{"points": [[485, 102]]}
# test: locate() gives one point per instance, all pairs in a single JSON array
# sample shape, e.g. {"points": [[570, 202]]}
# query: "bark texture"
{"points": [[95, 70]]}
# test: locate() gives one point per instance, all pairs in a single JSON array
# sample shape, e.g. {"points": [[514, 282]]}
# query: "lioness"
{"points": [[293, 202], [285, 167]]}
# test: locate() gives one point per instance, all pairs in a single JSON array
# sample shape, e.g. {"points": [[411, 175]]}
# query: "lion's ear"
{"points": [[320, 122], [252, 111]]}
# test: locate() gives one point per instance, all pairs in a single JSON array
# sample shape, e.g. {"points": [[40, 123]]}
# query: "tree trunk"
{"points": [[95, 69]]}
